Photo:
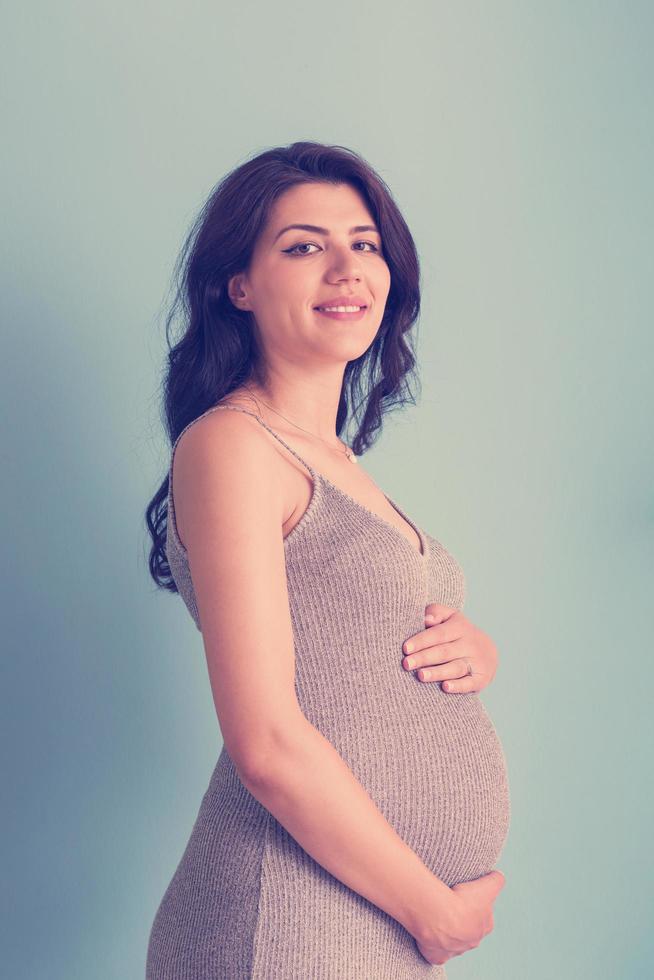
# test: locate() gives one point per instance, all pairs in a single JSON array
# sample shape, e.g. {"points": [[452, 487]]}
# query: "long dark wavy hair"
{"points": [[218, 351]]}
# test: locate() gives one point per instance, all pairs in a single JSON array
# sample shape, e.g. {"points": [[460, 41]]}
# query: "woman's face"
{"points": [[295, 270]]}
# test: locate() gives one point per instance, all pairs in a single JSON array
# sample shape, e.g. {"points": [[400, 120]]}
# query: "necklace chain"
{"points": [[347, 452]]}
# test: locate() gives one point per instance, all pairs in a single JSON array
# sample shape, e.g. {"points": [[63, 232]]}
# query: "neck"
{"points": [[306, 404]]}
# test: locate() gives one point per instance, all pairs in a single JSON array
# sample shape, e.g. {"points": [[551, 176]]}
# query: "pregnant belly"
{"points": [[434, 766], [447, 794]]}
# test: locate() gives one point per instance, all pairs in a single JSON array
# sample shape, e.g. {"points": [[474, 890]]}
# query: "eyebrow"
{"points": [[325, 231]]}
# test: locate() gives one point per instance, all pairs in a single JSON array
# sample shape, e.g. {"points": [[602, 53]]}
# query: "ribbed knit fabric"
{"points": [[246, 901]]}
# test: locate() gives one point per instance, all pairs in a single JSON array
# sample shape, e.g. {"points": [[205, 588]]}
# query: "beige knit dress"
{"points": [[246, 901]]}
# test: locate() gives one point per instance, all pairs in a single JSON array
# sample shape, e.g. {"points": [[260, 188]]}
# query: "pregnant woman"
{"points": [[357, 809]]}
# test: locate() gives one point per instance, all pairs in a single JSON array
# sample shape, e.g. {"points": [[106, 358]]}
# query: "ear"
{"points": [[237, 292]]}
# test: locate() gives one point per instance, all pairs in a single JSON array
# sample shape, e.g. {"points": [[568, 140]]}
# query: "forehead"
{"points": [[333, 206]]}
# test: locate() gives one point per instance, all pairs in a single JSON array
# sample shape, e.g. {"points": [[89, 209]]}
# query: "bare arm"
{"points": [[314, 794], [230, 506]]}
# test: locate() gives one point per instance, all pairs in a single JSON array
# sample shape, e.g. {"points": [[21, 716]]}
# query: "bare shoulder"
{"points": [[226, 456]]}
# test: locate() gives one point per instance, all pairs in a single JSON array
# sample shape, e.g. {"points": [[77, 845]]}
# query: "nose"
{"points": [[345, 264]]}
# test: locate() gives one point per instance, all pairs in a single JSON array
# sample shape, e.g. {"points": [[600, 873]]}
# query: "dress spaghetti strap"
{"points": [[238, 408]]}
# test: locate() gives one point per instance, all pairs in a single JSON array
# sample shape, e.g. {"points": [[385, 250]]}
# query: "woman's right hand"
{"points": [[464, 920]]}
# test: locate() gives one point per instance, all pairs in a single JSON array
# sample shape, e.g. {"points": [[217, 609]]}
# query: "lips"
{"points": [[333, 315], [343, 301]]}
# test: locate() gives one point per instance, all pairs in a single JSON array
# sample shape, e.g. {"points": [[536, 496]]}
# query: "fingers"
{"points": [[452, 629], [454, 673], [463, 685]]}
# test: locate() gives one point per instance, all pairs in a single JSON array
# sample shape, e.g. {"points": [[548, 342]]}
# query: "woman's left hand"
{"points": [[442, 652]]}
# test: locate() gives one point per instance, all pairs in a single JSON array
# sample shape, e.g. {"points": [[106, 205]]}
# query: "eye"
{"points": [[293, 249]]}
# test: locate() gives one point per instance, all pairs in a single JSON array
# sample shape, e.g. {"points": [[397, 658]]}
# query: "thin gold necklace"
{"points": [[347, 452]]}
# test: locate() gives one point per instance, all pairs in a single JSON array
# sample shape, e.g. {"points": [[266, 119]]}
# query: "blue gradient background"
{"points": [[517, 139]]}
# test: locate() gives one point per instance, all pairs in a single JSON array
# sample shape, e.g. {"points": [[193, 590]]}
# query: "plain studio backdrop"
{"points": [[517, 139]]}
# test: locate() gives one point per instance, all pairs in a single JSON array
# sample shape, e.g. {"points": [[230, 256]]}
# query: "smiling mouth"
{"points": [[344, 308], [347, 313]]}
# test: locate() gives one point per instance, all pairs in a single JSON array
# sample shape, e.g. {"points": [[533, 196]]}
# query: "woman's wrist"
{"points": [[429, 902]]}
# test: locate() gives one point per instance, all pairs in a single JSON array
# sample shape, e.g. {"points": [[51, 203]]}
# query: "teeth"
{"points": [[341, 309]]}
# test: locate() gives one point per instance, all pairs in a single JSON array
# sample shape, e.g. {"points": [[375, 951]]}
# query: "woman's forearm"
{"points": [[313, 793]]}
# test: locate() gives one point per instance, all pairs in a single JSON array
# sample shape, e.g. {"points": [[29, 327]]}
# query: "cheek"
{"points": [[383, 278], [295, 287], [382, 284]]}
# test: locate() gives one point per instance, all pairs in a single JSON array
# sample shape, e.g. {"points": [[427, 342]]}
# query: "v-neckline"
{"points": [[422, 537]]}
